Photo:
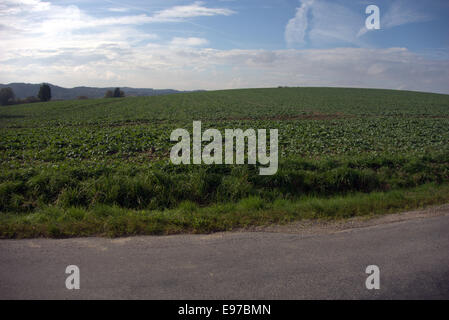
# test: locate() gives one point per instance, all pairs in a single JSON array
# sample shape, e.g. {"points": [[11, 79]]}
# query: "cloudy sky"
{"points": [[223, 44]]}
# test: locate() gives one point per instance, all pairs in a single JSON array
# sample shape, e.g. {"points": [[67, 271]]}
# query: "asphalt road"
{"points": [[412, 255]]}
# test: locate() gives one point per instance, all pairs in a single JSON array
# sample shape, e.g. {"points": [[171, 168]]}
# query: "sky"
{"points": [[225, 44]]}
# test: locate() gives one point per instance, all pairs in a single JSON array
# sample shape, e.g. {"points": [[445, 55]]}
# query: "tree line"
{"points": [[7, 96]]}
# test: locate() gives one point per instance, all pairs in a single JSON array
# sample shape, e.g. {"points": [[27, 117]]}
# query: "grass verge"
{"points": [[103, 220]]}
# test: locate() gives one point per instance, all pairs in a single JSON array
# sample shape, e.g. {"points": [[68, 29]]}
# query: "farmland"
{"points": [[101, 166]]}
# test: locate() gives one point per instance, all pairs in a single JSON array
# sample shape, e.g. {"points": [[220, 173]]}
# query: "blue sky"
{"points": [[224, 44]]}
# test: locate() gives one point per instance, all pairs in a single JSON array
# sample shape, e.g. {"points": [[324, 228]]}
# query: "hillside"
{"points": [[24, 90]]}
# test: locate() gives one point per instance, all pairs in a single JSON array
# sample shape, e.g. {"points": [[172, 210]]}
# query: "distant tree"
{"points": [[109, 94], [82, 97], [44, 92], [6, 96], [118, 93]]}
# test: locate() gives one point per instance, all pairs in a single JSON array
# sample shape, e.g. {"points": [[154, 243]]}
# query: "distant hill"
{"points": [[24, 90]]}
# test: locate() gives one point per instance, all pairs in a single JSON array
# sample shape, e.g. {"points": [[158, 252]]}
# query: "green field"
{"points": [[101, 166]]}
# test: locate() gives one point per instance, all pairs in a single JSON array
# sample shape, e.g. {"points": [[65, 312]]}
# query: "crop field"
{"points": [[101, 166]]}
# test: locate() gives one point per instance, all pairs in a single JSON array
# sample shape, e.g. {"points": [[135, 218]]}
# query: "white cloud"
{"points": [[321, 22], [167, 66], [35, 16], [120, 9], [188, 11], [401, 12], [295, 31], [30, 29], [188, 42]]}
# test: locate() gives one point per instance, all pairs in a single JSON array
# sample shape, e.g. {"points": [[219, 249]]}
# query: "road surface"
{"points": [[411, 251]]}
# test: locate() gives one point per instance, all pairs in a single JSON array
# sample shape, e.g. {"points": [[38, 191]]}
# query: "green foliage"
{"points": [[6, 96], [57, 222], [118, 93], [104, 161], [44, 92], [109, 94], [163, 185]]}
